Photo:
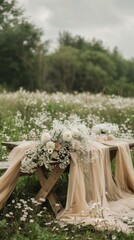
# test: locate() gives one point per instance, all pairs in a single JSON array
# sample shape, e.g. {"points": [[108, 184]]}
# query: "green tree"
{"points": [[61, 68], [66, 39], [120, 63], [19, 45], [10, 14], [96, 71]]}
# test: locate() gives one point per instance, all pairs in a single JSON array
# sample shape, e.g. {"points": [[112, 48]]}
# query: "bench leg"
{"points": [[47, 185]]}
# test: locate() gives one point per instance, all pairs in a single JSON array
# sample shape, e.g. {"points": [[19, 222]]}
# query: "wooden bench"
{"points": [[47, 184]]}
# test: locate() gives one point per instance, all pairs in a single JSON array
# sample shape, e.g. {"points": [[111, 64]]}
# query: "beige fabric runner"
{"points": [[93, 196]]}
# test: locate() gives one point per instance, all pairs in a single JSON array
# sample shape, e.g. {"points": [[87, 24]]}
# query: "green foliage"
{"points": [[19, 47], [76, 64], [18, 56], [9, 13], [81, 65], [61, 69]]}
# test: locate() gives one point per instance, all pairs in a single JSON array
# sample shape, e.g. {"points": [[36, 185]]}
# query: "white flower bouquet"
{"points": [[46, 152], [56, 146], [63, 138], [107, 130]]}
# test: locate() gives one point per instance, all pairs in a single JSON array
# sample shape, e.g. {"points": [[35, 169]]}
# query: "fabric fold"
{"points": [[9, 179], [105, 204]]}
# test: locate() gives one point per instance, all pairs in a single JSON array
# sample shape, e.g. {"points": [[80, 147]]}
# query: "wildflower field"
{"points": [[24, 116]]}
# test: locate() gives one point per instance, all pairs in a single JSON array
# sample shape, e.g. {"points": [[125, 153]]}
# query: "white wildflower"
{"points": [[31, 220], [23, 219], [106, 128], [113, 237], [67, 136], [50, 147], [57, 204], [42, 199], [7, 215], [25, 42], [11, 213], [45, 137]]}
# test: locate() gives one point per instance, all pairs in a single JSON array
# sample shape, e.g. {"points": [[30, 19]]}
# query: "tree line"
{"points": [[76, 64]]}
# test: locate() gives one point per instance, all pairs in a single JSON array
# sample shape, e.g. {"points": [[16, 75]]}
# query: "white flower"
{"points": [[50, 144], [7, 215], [50, 147], [31, 220], [45, 137], [42, 199], [50, 150], [113, 237], [23, 219], [10, 213], [106, 128], [25, 42], [75, 132], [67, 136]]}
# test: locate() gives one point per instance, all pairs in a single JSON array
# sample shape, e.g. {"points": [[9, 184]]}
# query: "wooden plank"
{"points": [[52, 197], [50, 183], [4, 165], [113, 149], [54, 202], [11, 145]]}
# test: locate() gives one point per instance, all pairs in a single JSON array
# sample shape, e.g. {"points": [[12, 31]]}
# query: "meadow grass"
{"points": [[23, 116]]}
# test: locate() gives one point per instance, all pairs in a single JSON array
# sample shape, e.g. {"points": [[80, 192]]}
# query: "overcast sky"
{"points": [[111, 21]]}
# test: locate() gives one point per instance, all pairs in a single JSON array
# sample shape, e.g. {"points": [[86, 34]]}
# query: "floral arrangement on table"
{"points": [[46, 152], [107, 131], [56, 146]]}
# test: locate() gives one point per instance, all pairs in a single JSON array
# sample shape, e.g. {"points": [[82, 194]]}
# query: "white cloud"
{"points": [[111, 21]]}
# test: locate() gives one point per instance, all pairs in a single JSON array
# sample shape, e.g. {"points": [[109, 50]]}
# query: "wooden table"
{"points": [[47, 184]]}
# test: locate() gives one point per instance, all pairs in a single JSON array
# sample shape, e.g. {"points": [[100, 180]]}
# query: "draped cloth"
{"points": [[94, 195], [9, 179]]}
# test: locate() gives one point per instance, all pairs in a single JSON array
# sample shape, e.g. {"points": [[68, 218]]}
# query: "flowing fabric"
{"points": [[9, 179], [99, 200], [94, 196]]}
